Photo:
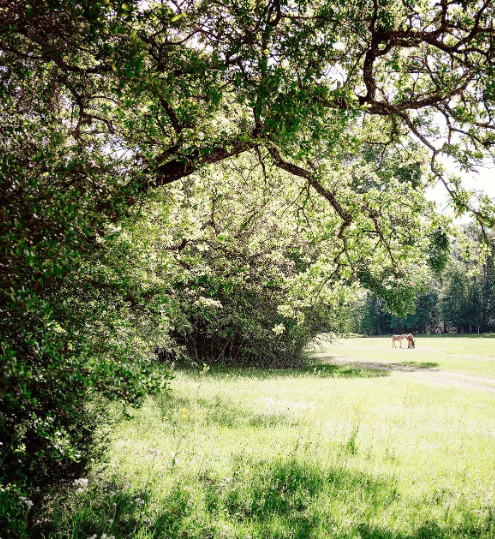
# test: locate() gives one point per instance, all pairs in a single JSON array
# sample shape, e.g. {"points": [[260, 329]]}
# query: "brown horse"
{"points": [[411, 343], [399, 338]]}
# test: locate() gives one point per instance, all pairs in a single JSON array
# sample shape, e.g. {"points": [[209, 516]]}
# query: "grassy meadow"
{"points": [[369, 443]]}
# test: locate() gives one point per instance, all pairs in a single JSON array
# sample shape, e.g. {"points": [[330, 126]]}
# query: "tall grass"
{"points": [[329, 451]]}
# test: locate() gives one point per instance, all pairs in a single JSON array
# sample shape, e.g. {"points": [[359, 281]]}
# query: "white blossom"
{"points": [[81, 482], [278, 329]]}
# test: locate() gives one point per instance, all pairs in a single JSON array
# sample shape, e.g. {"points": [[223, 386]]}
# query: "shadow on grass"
{"points": [[220, 412], [268, 500], [420, 364], [316, 370], [375, 366]]}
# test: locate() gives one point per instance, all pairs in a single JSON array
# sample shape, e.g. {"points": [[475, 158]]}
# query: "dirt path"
{"points": [[435, 375], [448, 377]]}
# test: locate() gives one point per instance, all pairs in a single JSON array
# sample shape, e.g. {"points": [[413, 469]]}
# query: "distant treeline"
{"points": [[459, 300]]}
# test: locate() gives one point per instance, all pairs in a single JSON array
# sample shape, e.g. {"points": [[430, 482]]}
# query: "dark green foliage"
{"points": [[389, 166], [56, 193], [398, 292], [439, 250], [241, 332], [460, 296]]}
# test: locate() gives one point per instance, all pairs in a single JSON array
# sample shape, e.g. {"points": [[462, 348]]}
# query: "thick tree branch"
{"points": [[309, 177], [180, 168]]}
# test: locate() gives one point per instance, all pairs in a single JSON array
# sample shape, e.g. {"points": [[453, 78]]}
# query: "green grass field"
{"points": [[471, 355], [369, 443]]}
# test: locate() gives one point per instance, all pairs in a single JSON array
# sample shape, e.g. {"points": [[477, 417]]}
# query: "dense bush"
{"points": [[237, 322], [229, 267], [68, 328]]}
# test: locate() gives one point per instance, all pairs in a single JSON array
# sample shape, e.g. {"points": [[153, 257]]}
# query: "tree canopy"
{"points": [[172, 86]]}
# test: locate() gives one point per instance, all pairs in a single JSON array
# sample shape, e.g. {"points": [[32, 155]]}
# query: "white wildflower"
{"points": [[209, 302], [278, 329], [81, 482]]}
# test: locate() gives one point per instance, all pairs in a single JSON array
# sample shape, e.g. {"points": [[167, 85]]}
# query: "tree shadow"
{"points": [[376, 366], [223, 413], [314, 369], [288, 499], [420, 364], [273, 499], [105, 509]]}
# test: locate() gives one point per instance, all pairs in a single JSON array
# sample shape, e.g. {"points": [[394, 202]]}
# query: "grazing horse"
{"points": [[399, 338], [411, 343]]}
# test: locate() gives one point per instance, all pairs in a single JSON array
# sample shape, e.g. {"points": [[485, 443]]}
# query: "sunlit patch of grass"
{"points": [[322, 452], [473, 355]]}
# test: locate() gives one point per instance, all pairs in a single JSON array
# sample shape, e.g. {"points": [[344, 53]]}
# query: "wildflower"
{"points": [[81, 482], [278, 329]]}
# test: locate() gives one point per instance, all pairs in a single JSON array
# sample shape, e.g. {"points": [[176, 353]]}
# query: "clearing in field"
{"points": [[370, 442]]}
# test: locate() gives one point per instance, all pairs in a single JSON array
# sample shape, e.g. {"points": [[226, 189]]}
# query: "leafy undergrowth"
{"points": [[314, 453]]}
